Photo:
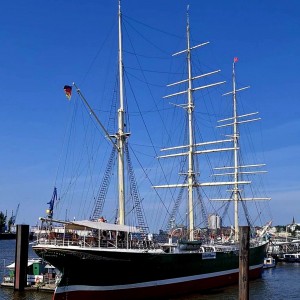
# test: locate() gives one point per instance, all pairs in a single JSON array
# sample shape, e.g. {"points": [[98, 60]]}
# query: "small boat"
{"points": [[290, 257], [269, 262]]}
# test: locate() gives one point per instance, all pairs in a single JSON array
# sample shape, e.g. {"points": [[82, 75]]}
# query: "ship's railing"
{"points": [[95, 242], [112, 241]]}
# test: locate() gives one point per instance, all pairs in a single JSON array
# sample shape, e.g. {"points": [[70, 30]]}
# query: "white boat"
{"points": [[269, 262], [291, 257]]}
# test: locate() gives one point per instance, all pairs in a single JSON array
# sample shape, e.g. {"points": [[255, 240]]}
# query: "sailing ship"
{"points": [[103, 260]]}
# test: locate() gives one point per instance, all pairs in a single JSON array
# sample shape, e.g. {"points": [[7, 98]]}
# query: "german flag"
{"points": [[68, 91]]}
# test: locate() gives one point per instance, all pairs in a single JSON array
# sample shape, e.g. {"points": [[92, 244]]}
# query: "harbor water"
{"points": [[278, 283]]}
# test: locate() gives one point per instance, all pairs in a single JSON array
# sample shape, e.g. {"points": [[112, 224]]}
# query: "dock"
{"points": [[36, 287]]}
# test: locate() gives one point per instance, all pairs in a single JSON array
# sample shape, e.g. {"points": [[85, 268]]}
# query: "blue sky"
{"points": [[46, 44]]}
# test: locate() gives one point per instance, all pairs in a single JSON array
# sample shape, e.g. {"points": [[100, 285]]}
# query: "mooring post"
{"points": [[21, 257], [244, 262]]}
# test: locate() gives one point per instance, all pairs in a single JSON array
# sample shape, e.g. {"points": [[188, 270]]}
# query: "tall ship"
{"points": [[101, 259]]}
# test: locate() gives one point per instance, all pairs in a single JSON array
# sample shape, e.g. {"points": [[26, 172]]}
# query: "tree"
{"points": [[2, 221]]}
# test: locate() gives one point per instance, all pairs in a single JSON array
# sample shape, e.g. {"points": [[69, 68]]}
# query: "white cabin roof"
{"points": [[86, 224]]}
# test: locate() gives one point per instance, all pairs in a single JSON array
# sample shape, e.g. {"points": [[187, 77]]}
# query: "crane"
{"points": [[14, 216], [49, 211]]}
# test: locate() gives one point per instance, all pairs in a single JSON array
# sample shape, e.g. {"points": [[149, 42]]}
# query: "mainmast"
{"points": [[190, 109], [191, 150]]}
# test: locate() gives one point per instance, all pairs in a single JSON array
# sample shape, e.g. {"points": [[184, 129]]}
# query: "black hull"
{"points": [[109, 274]]}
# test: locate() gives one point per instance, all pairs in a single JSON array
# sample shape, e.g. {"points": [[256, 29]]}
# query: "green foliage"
{"points": [[2, 221], [280, 228]]}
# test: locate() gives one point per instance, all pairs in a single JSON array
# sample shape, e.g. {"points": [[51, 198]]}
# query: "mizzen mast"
{"points": [[121, 136], [118, 140], [237, 173]]}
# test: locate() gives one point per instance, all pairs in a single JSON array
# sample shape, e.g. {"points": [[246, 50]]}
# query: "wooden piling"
{"points": [[21, 257], [244, 262]]}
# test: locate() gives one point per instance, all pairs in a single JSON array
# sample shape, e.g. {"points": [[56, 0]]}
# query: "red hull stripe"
{"points": [[149, 284]]}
